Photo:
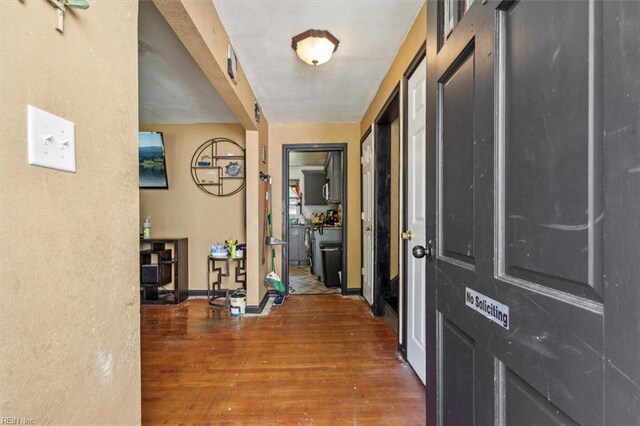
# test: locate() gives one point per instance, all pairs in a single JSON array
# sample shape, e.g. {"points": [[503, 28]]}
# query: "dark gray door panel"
{"points": [[457, 212], [534, 167], [458, 367], [525, 406], [552, 207]]}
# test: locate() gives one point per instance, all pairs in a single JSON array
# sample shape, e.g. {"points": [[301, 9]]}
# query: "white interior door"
{"points": [[416, 221], [367, 218]]}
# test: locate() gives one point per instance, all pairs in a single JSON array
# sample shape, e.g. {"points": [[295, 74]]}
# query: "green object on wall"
{"points": [[77, 4]]}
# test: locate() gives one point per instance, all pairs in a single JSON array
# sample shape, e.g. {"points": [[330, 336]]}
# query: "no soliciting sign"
{"points": [[495, 311]]}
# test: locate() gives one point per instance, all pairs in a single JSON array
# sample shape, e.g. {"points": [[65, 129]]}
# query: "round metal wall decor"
{"points": [[218, 167]]}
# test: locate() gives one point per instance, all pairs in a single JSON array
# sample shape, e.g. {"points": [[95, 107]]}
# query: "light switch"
{"points": [[51, 140]]}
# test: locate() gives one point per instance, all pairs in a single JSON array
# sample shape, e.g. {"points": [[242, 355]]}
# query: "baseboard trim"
{"points": [[352, 292], [256, 309], [391, 317]]}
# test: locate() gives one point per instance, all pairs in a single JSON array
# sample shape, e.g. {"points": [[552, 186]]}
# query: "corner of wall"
{"points": [[69, 314]]}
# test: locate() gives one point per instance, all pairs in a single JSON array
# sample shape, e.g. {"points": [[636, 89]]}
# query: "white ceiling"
{"points": [[290, 91], [172, 88]]}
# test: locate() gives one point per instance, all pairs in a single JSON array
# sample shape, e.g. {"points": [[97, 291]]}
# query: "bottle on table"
{"points": [[146, 228]]}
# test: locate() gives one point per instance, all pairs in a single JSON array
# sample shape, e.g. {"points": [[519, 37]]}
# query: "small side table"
{"points": [[221, 267]]}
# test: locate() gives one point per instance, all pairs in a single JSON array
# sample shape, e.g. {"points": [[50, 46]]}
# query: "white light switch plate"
{"points": [[51, 140]]}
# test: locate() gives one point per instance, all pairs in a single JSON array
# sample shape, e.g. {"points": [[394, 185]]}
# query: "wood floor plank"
{"points": [[316, 360]]}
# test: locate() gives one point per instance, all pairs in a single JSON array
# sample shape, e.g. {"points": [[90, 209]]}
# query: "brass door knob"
{"points": [[367, 228], [407, 235]]}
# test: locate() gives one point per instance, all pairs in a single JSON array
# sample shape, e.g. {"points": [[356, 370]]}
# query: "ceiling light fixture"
{"points": [[315, 47]]}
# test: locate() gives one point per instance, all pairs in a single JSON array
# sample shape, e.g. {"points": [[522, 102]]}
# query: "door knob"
{"points": [[407, 235], [419, 251], [367, 228]]}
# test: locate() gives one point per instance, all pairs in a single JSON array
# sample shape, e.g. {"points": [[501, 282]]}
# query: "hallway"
{"points": [[315, 360]]}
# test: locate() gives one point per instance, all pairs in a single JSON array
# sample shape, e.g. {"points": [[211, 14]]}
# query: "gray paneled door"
{"points": [[533, 177]]}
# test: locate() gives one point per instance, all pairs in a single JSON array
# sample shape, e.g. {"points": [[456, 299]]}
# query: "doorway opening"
{"points": [[386, 220], [314, 189]]}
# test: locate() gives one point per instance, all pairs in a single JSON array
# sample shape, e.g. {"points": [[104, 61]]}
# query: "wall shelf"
{"points": [[225, 176]]}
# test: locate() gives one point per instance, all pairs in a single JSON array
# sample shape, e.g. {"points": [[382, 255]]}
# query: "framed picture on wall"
{"points": [[152, 165]]}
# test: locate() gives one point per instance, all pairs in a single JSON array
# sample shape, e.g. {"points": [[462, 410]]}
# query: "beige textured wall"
{"points": [[69, 304], [256, 270], [413, 41], [264, 139], [281, 134], [255, 207], [184, 210]]}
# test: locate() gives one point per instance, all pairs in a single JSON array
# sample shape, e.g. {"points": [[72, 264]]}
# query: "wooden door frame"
{"points": [[415, 63], [382, 197], [286, 149]]}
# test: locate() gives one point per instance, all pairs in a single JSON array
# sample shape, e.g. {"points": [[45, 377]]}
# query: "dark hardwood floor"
{"points": [[317, 360]]}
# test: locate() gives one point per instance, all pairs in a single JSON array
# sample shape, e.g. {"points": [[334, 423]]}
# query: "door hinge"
{"points": [[361, 215], [362, 272], [361, 160]]}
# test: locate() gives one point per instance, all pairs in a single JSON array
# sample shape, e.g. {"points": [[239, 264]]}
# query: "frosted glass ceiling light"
{"points": [[315, 47]]}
